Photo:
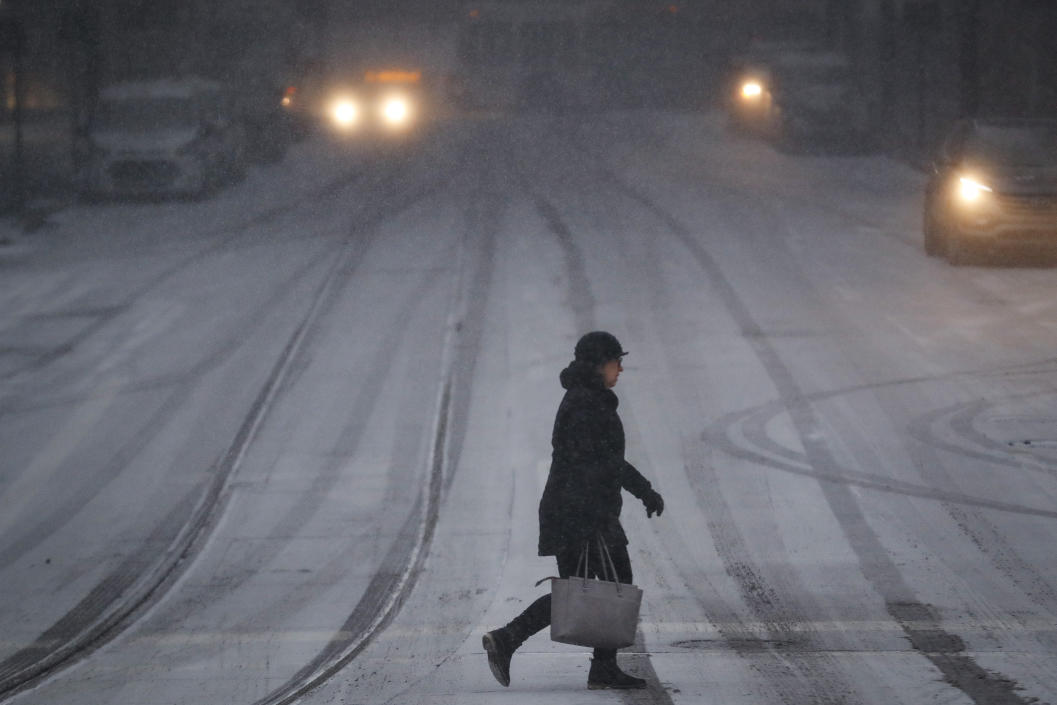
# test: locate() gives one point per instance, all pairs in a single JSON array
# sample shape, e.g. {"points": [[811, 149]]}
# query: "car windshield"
{"points": [[147, 113], [1022, 145]]}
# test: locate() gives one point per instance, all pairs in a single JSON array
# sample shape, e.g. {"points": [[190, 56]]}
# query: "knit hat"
{"points": [[598, 347]]}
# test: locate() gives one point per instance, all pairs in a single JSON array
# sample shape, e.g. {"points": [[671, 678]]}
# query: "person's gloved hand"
{"points": [[654, 503]]}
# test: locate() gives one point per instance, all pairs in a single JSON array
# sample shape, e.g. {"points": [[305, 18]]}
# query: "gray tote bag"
{"points": [[603, 614]]}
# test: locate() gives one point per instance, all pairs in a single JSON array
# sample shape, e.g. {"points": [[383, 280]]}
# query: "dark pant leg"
{"points": [[537, 616]]}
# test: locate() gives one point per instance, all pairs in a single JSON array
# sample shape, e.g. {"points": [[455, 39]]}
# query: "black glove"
{"points": [[654, 503]]}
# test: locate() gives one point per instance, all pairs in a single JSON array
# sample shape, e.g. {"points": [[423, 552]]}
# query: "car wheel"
{"points": [[934, 240], [957, 250]]}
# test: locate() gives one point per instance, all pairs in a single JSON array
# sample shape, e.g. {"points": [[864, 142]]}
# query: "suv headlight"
{"points": [[751, 90], [970, 189]]}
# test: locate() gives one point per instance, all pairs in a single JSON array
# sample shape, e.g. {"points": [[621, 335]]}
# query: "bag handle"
{"points": [[611, 574], [602, 551], [582, 567]]}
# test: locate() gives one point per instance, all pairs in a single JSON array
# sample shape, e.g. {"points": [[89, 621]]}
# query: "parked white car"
{"points": [[162, 137]]}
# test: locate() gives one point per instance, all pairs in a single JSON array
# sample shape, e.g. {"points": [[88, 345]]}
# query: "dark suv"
{"points": [[993, 186]]}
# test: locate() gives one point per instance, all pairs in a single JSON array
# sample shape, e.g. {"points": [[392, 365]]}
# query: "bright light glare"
{"points": [[345, 112], [970, 189], [396, 111], [751, 89]]}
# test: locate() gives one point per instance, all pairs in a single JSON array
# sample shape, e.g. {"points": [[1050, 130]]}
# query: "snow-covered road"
{"points": [[287, 444]]}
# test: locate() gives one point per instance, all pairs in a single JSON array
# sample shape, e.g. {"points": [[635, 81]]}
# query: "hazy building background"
{"points": [[921, 63]]}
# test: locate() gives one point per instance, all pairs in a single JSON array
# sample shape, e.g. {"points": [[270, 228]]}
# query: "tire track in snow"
{"points": [[101, 614], [466, 328], [751, 422], [59, 513], [970, 518], [964, 509], [123, 597], [228, 235], [396, 577]]}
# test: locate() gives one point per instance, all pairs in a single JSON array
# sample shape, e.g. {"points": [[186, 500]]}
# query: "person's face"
{"points": [[610, 372]]}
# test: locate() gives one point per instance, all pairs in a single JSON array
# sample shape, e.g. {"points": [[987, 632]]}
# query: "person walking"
{"points": [[581, 501]]}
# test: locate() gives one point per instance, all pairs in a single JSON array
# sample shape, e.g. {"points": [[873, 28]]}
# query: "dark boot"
{"points": [[499, 647], [500, 644], [606, 674]]}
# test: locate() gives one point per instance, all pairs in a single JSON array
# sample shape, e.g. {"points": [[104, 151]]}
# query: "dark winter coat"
{"points": [[588, 470]]}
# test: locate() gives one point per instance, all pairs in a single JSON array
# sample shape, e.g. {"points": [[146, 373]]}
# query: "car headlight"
{"points": [[970, 189], [345, 112], [750, 90], [396, 110]]}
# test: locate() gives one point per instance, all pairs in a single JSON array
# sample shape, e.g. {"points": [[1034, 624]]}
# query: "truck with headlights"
{"points": [[382, 102], [798, 94]]}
